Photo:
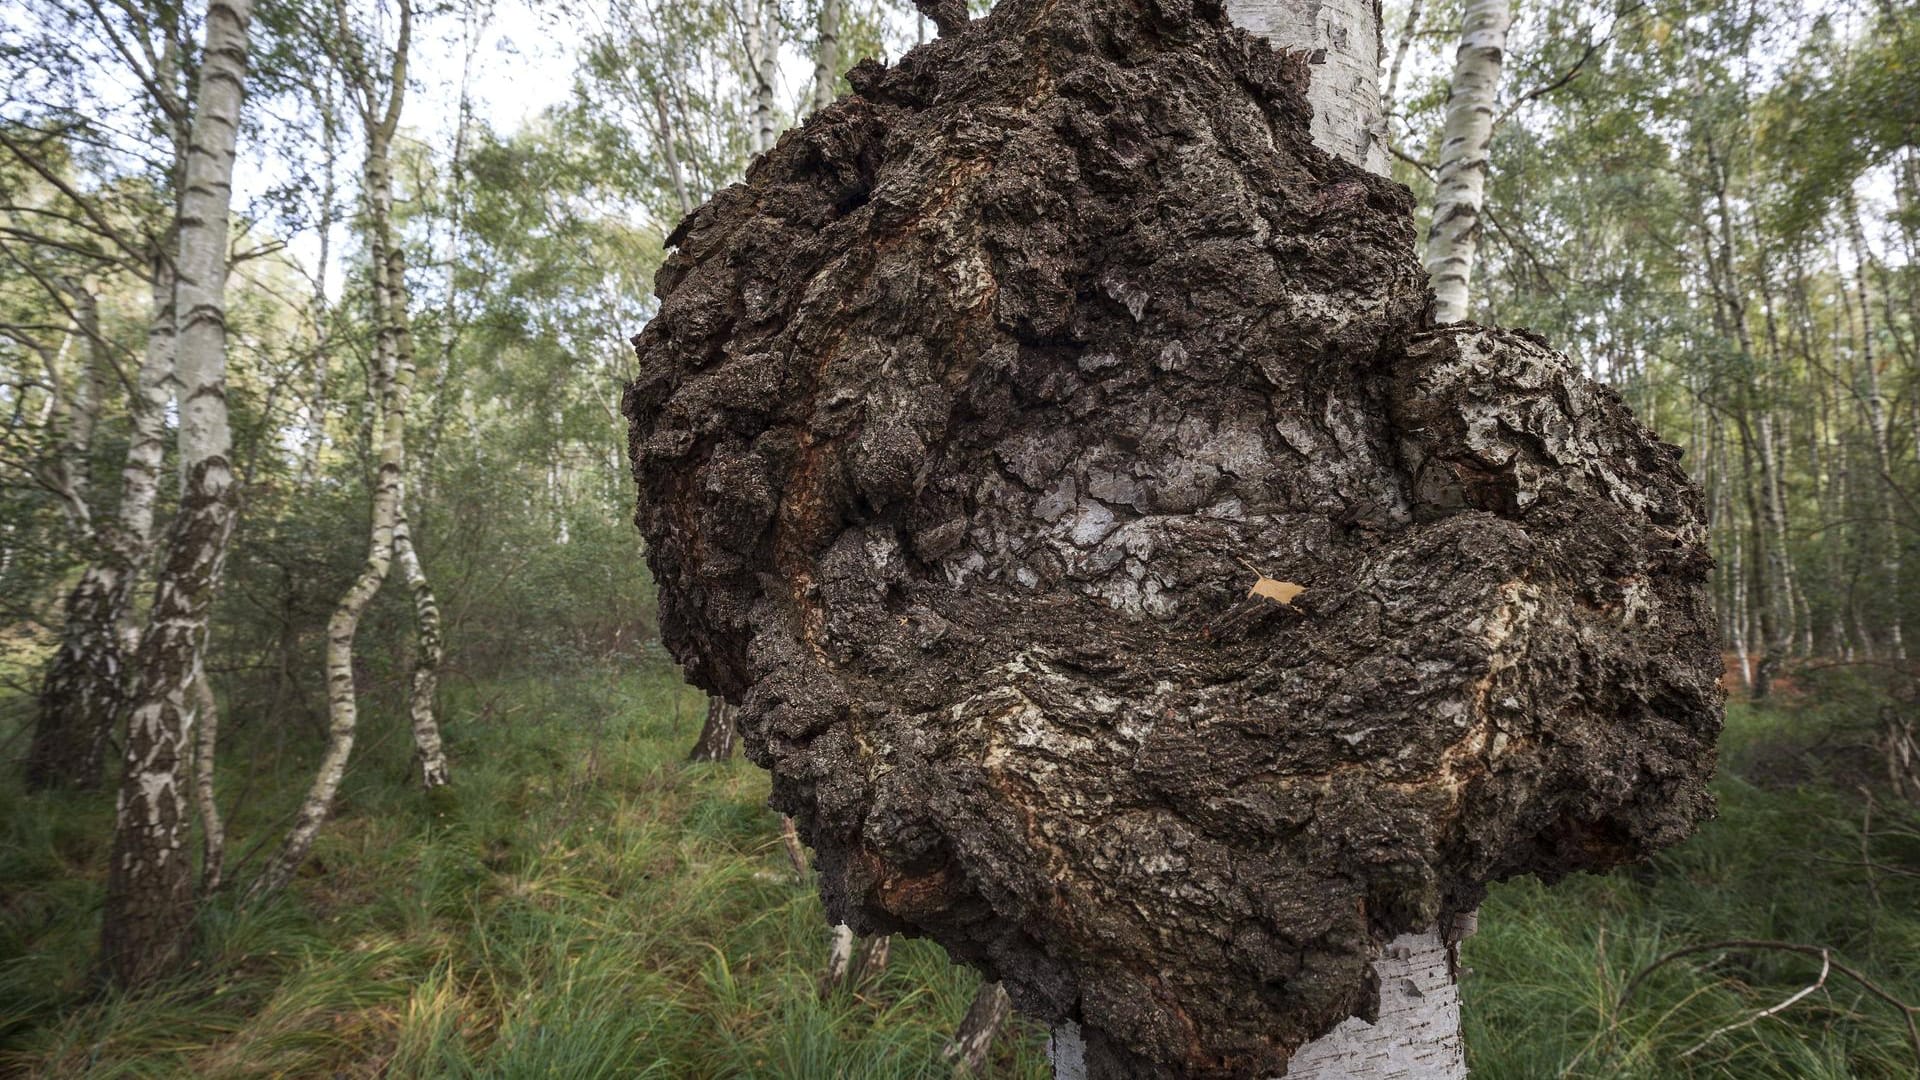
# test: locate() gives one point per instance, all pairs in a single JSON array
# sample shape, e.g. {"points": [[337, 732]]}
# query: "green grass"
{"points": [[584, 904], [581, 904]]}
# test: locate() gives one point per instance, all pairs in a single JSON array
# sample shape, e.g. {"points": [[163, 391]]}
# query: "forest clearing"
{"points": [[869, 538]]}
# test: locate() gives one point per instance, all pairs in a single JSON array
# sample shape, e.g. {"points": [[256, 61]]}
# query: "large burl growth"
{"points": [[965, 426]]}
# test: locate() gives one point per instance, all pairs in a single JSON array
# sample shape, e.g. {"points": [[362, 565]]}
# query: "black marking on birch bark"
{"points": [[955, 426]]}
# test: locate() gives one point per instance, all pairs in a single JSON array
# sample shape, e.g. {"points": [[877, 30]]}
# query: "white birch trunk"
{"points": [[1876, 409], [84, 691], [973, 1040], [1461, 183], [149, 905], [762, 60], [213, 832], [424, 690], [1345, 89], [826, 54], [380, 108]]}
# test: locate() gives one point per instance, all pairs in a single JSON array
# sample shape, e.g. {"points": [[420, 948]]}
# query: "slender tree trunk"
{"points": [[1876, 408], [1461, 183], [317, 402], [423, 692], [149, 904], [973, 1040], [84, 692], [717, 736], [826, 54], [1345, 91], [669, 149], [380, 108], [762, 66], [213, 832]]}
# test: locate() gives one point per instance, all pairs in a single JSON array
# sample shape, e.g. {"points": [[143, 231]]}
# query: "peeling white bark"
{"points": [[1461, 182]]}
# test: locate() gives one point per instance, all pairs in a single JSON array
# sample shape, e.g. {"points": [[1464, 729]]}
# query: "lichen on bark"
{"points": [[964, 427]]}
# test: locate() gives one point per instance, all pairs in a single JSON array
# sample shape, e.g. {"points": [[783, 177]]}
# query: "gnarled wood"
{"points": [[964, 428]]}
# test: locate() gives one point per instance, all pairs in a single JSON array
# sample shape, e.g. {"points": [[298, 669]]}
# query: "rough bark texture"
{"points": [[964, 428], [149, 906], [84, 693]]}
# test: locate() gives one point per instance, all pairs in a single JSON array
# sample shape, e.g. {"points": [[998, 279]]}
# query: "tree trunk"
{"points": [[1876, 409], [984, 556], [717, 738], [973, 1040], [84, 693], [826, 54], [1342, 40], [380, 108], [762, 56], [149, 904], [213, 832], [1461, 183], [424, 689]]}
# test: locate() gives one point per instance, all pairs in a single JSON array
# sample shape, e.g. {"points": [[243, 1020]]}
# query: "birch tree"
{"points": [[826, 54], [1461, 180], [84, 690], [149, 903], [378, 92]]}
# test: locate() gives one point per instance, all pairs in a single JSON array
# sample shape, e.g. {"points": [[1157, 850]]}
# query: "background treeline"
{"points": [[1715, 208]]}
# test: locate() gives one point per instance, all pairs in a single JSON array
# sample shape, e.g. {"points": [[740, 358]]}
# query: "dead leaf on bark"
{"points": [[1280, 592]]}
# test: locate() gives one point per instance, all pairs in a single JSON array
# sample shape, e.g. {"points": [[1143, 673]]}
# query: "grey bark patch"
{"points": [[886, 400]]}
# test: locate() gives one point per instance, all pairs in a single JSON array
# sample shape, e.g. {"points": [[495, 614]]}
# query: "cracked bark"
{"points": [[149, 905], [958, 429], [84, 692]]}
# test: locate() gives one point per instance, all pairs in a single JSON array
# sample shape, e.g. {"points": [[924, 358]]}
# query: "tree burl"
{"points": [[967, 423]]}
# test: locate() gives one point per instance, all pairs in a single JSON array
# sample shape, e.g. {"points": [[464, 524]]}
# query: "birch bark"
{"points": [[1876, 410], [380, 108], [1345, 92], [716, 740], [430, 755], [761, 57], [149, 904], [826, 54], [1461, 182], [84, 690]]}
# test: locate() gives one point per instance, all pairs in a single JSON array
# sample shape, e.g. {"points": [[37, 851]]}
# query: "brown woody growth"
{"points": [[958, 428]]}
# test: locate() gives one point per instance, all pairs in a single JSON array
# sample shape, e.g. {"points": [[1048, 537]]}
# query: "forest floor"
{"points": [[584, 904]]}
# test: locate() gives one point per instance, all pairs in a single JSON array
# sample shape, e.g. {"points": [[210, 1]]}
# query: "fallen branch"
{"points": [[1906, 1011]]}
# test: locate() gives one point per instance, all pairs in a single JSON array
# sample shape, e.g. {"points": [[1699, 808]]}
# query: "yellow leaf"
{"points": [[1280, 592]]}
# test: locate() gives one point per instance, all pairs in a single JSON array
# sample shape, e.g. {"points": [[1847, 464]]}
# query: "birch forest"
{"points": [[346, 733]]}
